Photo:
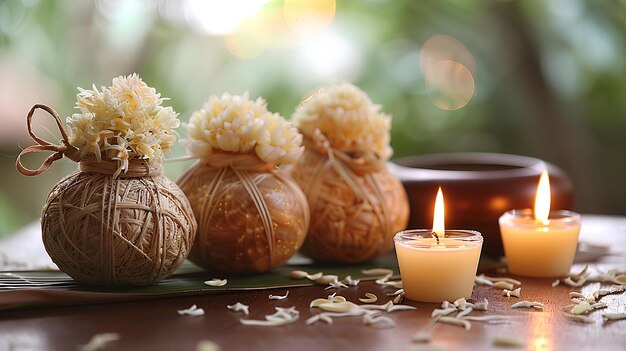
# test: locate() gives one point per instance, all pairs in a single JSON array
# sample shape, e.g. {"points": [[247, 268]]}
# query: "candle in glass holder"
{"points": [[540, 243], [438, 264]]}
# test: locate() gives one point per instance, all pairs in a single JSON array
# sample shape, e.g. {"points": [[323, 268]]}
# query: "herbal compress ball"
{"points": [[116, 220], [252, 216], [356, 204]]}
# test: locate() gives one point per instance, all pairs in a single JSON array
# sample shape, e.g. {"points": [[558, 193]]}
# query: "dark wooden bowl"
{"points": [[478, 188]]}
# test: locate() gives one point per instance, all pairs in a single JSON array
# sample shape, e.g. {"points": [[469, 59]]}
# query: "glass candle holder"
{"points": [[536, 248], [437, 269]]}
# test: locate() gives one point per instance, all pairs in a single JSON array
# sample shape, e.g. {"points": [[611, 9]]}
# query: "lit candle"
{"points": [[438, 264], [540, 243]]}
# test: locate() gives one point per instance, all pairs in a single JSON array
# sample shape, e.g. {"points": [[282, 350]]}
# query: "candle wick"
{"points": [[436, 236]]}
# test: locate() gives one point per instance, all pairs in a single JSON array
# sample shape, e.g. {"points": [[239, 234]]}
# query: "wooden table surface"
{"points": [[156, 325]]}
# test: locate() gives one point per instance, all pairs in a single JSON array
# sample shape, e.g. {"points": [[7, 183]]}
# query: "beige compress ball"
{"points": [[354, 212], [356, 204], [116, 220], [252, 216], [123, 231]]}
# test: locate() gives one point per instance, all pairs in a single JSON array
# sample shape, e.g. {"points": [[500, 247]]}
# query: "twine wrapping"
{"points": [[103, 227], [356, 204], [252, 216]]}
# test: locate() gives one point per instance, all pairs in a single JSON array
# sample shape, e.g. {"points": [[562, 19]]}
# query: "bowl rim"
{"points": [[525, 166]]}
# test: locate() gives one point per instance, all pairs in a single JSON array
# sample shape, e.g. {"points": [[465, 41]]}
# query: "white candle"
{"points": [[540, 243], [438, 265]]}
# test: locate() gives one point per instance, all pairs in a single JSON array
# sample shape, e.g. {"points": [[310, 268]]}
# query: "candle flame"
{"points": [[542, 201], [438, 219]]}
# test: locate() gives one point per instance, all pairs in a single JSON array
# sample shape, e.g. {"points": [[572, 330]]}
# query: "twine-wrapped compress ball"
{"points": [[116, 220], [252, 216], [356, 203]]}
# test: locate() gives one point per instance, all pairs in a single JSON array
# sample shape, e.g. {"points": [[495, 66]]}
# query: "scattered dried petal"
{"points": [[327, 279], [371, 320], [279, 297], [282, 316], [383, 307], [514, 293], [479, 280], [378, 272], [481, 306], [193, 311], [599, 305], [99, 341], [442, 312], [485, 318], [582, 307], [216, 282], [397, 292], [398, 299], [421, 337], [500, 279], [503, 285], [584, 273], [502, 341], [573, 283], [369, 298], [576, 294], [207, 345], [578, 318], [336, 285], [336, 298], [393, 308], [352, 282], [611, 290], [319, 317], [345, 306], [298, 274], [523, 304], [462, 304], [314, 276], [394, 283], [464, 312], [455, 321], [239, 307], [614, 316]]}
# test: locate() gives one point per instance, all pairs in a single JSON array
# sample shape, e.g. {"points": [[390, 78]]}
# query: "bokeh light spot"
{"points": [[308, 18], [450, 85], [442, 48]]}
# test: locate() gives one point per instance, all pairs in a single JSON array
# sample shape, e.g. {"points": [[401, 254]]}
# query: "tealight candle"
{"points": [[438, 264], [540, 243]]}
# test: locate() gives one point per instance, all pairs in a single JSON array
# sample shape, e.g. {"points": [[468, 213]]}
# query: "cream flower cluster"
{"points": [[237, 124], [122, 122], [347, 118]]}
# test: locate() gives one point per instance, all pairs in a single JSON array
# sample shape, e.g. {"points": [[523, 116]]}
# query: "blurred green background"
{"points": [[543, 78]]}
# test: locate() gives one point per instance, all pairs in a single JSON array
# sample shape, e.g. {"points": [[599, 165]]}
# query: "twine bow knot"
{"points": [[65, 149]]}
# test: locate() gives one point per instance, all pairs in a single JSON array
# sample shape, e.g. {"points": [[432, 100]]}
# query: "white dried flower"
{"points": [[279, 297], [282, 316], [369, 298], [237, 124], [347, 118], [193, 311], [99, 341], [122, 122], [216, 282], [207, 345], [527, 304], [239, 307]]}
